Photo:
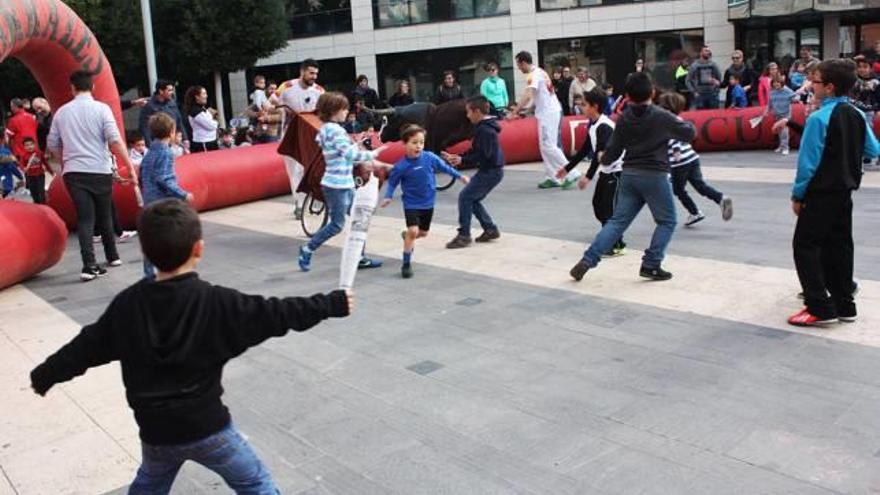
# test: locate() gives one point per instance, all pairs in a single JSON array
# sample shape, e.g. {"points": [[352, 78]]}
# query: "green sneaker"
{"points": [[548, 184], [568, 184]]}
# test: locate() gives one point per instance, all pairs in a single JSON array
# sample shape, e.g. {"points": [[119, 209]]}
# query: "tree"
{"points": [[197, 37]]}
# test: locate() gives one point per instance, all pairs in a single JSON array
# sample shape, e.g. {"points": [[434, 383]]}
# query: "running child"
{"points": [[644, 131], [684, 163], [337, 184], [415, 174], [173, 336], [594, 106], [486, 155]]}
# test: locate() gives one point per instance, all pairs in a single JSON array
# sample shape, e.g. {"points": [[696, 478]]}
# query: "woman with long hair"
{"points": [[402, 95], [202, 120]]}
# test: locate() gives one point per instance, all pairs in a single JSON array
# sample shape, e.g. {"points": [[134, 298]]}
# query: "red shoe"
{"points": [[803, 318]]}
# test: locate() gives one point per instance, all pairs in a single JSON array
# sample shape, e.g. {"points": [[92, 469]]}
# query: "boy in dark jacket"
{"points": [[173, 337], [486, 155], [836, 138], [644, 131]]}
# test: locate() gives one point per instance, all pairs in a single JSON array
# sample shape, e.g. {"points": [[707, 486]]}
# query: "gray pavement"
{"points": [[455, 383]]}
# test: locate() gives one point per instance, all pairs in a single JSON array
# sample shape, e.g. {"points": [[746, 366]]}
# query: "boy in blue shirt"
{"points": [[835, 139], [8, 169], [737, 93], [415, 174], [158, 180]]}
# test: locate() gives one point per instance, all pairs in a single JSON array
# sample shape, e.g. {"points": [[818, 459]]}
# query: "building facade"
{"points": [[416, 40]]}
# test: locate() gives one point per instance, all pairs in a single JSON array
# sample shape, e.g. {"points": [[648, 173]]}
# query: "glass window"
{"points": [[568, 4], [388, 13], [812, 38], [318, 18], [870, 34], [848, 42], [424, 69], [610, 58], [784, 47], [756, 47]]}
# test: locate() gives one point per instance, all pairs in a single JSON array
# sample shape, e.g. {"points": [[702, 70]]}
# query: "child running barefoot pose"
{"points": [[415, 174], [593, 106], [685, 165], [340, 155]]}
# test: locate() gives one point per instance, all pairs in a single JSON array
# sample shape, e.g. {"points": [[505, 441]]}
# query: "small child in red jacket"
{"points": [[33, 164]]}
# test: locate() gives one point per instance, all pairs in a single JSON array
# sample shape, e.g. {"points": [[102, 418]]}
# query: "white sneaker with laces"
{"points": [[784, 152], [127, 235], [692, 219]]}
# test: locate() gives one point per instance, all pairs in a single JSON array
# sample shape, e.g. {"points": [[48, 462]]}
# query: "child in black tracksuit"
{"points": [[486, 155], [173, 336], [594, 105], [836, 138]]}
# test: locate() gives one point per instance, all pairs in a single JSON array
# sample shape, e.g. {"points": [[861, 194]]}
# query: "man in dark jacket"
{"points": [[836, 138], [172, 338], [644, 131], [162, 101], [739, 68], [486, 155], [449, 90], [363, 91]]}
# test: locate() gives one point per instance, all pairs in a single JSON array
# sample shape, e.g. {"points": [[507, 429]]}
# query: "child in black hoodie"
{"points": [[486, 155], [172, 337]]}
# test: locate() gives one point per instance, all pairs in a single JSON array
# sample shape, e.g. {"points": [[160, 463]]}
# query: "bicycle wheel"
{"points": [[314, 215]]}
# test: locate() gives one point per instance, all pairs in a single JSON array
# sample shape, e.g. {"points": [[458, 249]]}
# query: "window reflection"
{"points": [[319, 17], [388, 13]]}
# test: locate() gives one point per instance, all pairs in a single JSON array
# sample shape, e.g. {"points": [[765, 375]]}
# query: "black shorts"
{"points": [[422, 218]]}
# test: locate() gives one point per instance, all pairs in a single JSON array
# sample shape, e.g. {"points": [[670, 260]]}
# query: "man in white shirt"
{"points": [[81, 132], [539, 92], [299, 95], [582, 83]]}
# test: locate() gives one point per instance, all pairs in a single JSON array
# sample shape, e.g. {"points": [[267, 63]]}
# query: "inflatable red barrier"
{"points": [[32, 239], [216, 179], [52, 42]]}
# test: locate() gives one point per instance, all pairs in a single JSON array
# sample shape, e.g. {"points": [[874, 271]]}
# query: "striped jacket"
{"points": [[686, 152], [340, 155]]}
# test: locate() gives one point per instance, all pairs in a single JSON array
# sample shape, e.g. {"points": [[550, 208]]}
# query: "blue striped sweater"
{"points": [[340, 155]]}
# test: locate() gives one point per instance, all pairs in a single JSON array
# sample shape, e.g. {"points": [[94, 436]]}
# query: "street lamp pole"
{"points": [[147, 18]]}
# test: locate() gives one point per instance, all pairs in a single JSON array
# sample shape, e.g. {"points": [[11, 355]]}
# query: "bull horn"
{"points": [[380, 111]]}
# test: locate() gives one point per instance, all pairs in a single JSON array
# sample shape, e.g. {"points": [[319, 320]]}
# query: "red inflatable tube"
{"points": [[52, 42], [32, 239], [216, 179]]}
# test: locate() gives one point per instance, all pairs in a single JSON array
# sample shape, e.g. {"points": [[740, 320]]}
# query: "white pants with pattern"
{"points": [[548, 144]]}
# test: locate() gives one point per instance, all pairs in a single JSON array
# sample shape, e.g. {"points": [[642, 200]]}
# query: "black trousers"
{"points": [[823, 254], [605, 197], [91, 194], [691, 172], [195, 147], [36, 184]]}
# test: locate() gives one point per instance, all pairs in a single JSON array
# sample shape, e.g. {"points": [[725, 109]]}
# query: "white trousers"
{"points": [[295, 172], [548, 144]]}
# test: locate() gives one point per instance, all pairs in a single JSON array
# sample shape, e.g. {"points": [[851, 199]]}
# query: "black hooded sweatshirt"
{"points": [[485, 152], [172, 339]]}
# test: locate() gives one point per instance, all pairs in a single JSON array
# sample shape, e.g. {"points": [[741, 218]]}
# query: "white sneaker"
{"points": [[778, 150], [115, 263], [784, 152], [127, 235], [726, 208], [692, 219]]}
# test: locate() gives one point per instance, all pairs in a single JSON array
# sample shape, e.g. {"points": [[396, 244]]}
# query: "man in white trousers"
{"points": [[540, 93], [299, 95]]}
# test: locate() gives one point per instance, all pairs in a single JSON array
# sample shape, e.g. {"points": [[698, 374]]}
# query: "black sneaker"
{"points": [[459, 241], [488, 235], [654, 273], [406, 270], [90, 273], [579, 270]]}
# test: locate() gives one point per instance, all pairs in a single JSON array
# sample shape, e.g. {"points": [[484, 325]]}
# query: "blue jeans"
{"points": [[470, 200], [635, 190], [338, 203], [691, 172], [706, 101], [225, 452]]}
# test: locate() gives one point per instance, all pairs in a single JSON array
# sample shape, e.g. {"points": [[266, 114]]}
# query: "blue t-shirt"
{"points": [[416, 179], [738, 95]]}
